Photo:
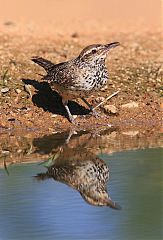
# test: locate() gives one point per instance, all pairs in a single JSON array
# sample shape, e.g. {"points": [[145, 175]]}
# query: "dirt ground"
{"points": [[28, 104], [33, 122]]}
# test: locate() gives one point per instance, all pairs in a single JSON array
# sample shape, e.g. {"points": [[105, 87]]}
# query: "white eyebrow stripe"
{"points": [[90, 50]]}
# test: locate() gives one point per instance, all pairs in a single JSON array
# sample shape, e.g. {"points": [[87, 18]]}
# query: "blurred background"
{"points": [[83, 16]]}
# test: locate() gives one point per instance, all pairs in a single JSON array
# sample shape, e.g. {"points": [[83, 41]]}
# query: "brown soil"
{"points": [[15, 148], [33, 123], [27, 104], [135, 70]]}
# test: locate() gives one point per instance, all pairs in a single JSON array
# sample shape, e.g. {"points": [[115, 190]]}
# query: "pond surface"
{"points": [[59, 197]]}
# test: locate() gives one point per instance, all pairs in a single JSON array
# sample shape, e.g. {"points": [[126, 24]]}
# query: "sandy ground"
{"points": [[28, 102], [58, 30]]}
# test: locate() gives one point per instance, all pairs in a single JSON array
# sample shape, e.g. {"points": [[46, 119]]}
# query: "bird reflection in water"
{"points": [[82, 170]]}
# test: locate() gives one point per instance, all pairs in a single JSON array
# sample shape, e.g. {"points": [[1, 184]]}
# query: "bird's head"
{"points": [[97, 198], [96, 52]]}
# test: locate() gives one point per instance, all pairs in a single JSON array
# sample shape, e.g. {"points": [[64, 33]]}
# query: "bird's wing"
{"points": [[65, 74]]}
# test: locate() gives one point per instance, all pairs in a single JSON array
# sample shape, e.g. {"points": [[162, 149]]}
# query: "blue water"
{"points": [[30, 209]]}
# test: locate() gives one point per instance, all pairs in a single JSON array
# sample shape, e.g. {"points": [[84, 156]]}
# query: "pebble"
{"points": [[4, 90], [161, 106], [54, 115], [27, 88], [99, 99], [17, 90], [8, 23], [19, 150], [75, 116], [5, 152], [131, 133], [75, 35], [110, 109], [130, 105]]}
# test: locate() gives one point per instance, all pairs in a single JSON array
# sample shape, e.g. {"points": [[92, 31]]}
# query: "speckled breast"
{"points": [[88, 82]]}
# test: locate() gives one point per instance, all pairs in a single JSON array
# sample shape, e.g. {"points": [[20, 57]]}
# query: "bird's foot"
{"points": [[71, 133], [69, 115], [94, 113], [51, 160], [73, 120]]}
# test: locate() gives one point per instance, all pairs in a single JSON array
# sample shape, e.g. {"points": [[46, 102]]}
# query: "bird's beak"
{"points": [[113, 205], [111, 45]]}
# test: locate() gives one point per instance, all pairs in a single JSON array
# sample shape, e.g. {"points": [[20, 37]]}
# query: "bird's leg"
{"points": [[71, 133], [87, 103], [65, 102], [94, 113]]}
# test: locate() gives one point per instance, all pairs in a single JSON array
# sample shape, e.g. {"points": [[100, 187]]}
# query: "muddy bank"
{"points": [[26, 148]]}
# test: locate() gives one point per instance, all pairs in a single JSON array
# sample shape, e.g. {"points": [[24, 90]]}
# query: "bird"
{"points": [[86, 173], [79, 77]]}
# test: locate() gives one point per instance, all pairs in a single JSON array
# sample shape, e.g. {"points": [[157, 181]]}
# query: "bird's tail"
{"points": [[42, 176], [46, 64]]}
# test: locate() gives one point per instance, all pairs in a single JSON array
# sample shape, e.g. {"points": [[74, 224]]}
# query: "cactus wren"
{"points": [[89, 177], [79, 77]]}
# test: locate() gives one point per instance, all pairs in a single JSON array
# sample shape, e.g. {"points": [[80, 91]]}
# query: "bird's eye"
{"points": [[94, 51]]}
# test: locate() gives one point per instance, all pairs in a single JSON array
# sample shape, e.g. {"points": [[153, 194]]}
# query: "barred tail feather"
{"points": [[46, 64], [42, 176]]}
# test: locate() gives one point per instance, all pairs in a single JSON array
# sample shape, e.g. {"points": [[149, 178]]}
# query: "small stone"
{"points": [[75, 116], [99, 99], [8, 23], [130, 105], [161, 106], [110, 109], [4, 90], [5, 152], [130, 133], [54, 115], [27, 88], [19, 150], [75, 35], [17, 90]]}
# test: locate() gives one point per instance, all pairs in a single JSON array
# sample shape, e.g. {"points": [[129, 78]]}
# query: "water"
{"points": [[48, 209]]}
